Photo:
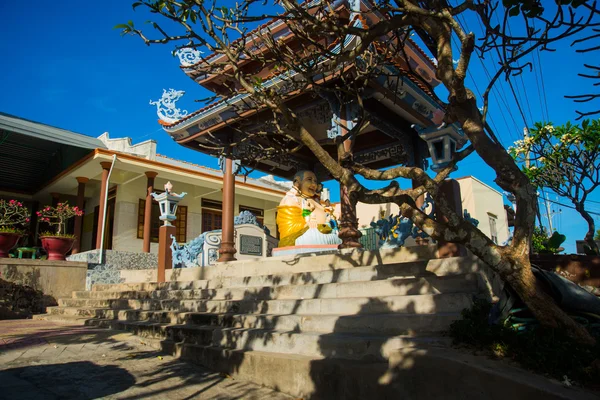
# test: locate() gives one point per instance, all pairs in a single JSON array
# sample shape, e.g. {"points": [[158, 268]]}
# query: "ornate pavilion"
{"points": [[395, 101]]}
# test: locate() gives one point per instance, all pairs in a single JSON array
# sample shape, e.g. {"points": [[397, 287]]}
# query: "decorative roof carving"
{"points": [[188, 56], [166, 108]]}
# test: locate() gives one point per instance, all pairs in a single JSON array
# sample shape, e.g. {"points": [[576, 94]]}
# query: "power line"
{"points": [[539, 60], [522, 82], [463, 24], [509, 81], [497, 88], [568, 206], [478, 91], [537, 83]]}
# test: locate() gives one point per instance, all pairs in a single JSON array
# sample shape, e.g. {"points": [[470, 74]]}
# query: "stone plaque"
{"points": [[251, 245]]}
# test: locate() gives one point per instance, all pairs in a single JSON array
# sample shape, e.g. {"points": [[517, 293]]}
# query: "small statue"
{"points": [[301, 214]]}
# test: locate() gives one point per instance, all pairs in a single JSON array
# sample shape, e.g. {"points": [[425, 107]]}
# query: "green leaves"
{"points": [[530, 8], [513, 12], [126, 28], [542, 244], [556, 240]]}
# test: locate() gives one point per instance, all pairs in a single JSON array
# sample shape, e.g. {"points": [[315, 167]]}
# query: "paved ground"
{"points": [[43, 360]]}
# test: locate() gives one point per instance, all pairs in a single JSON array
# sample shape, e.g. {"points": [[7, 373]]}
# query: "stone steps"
{"points": [[354, 307], [409, 304], [408, 373], [377, 324], [309, 263], [311, 344], [387, 287], [319, 274]]}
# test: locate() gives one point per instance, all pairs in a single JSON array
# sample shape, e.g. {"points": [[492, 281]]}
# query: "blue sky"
{"points": [[64, 65]]}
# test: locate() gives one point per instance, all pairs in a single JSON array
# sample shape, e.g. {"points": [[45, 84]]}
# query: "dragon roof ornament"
{"points": [[166, 108]]}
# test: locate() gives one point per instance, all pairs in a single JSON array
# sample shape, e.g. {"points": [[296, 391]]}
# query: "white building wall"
{"points": [[127, 203], [482, 201], [368, 213]]}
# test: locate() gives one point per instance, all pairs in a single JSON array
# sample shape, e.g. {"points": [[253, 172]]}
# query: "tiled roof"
{"points": [[274, 20], [405, 72]]}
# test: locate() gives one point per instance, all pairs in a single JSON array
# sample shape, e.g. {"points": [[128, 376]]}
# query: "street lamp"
{"points": [[167, 202], [442, 142]]}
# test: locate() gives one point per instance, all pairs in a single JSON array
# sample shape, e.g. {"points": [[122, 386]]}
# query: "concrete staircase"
{"points": [[328, 326]]}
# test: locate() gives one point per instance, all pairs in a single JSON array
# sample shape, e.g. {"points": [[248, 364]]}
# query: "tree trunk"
{"points": [[512, 263], [542, 306], [514, 267], [589, 236]]}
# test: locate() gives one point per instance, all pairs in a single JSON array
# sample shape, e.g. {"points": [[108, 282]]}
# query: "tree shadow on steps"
{"points": [[372, 366]]}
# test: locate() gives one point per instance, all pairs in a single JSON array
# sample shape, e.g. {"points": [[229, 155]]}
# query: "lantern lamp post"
{"points": [[167, 202], [442, 141]]}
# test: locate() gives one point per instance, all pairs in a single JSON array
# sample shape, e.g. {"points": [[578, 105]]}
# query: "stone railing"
{"points": [[251, 241], [115, 262]]}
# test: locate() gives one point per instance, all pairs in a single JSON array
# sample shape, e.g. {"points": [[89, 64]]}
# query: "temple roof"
{"points": [[399, 97]]}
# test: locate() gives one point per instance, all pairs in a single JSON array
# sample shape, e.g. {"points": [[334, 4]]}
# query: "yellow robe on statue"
{"points": [[291, 225]]}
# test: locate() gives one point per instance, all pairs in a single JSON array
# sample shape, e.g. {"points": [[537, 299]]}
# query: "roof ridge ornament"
{"points": [[166, 108], [189, 56]]}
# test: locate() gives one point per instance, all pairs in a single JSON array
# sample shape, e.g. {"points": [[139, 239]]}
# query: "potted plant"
{"points": [[57, 244], [12, 213]]}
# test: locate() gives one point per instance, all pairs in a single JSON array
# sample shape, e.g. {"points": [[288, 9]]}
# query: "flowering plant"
{"points": [[12, 213], [59, 216], [566, 160]]}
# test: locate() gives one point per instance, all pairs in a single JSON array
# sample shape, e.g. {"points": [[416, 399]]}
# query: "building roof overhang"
{"points": [[32, 153], [129, 168]]}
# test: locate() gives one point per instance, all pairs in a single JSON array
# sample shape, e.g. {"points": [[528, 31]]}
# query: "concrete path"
{"points": [[43, 360]]}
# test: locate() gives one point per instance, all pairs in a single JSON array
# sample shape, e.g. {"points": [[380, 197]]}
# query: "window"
{"points": [[493, 229], [180, 222], [212, 216], [258, 213]]}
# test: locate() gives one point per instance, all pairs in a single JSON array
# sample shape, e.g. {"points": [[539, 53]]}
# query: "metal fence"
{"points": [[369, 239]]}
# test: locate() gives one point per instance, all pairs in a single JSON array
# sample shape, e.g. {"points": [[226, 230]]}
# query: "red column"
{"points": [[165, 257], [103, 188], [148, 211], [227, 249], [79, 219]]}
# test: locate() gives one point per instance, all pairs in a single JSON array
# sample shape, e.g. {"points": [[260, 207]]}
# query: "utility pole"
{"points": [[548, 211], [525, 136], [527, 164]]}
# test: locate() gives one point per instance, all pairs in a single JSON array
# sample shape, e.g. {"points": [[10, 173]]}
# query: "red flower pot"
{"points": [[57, 247], [8, 240]]}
